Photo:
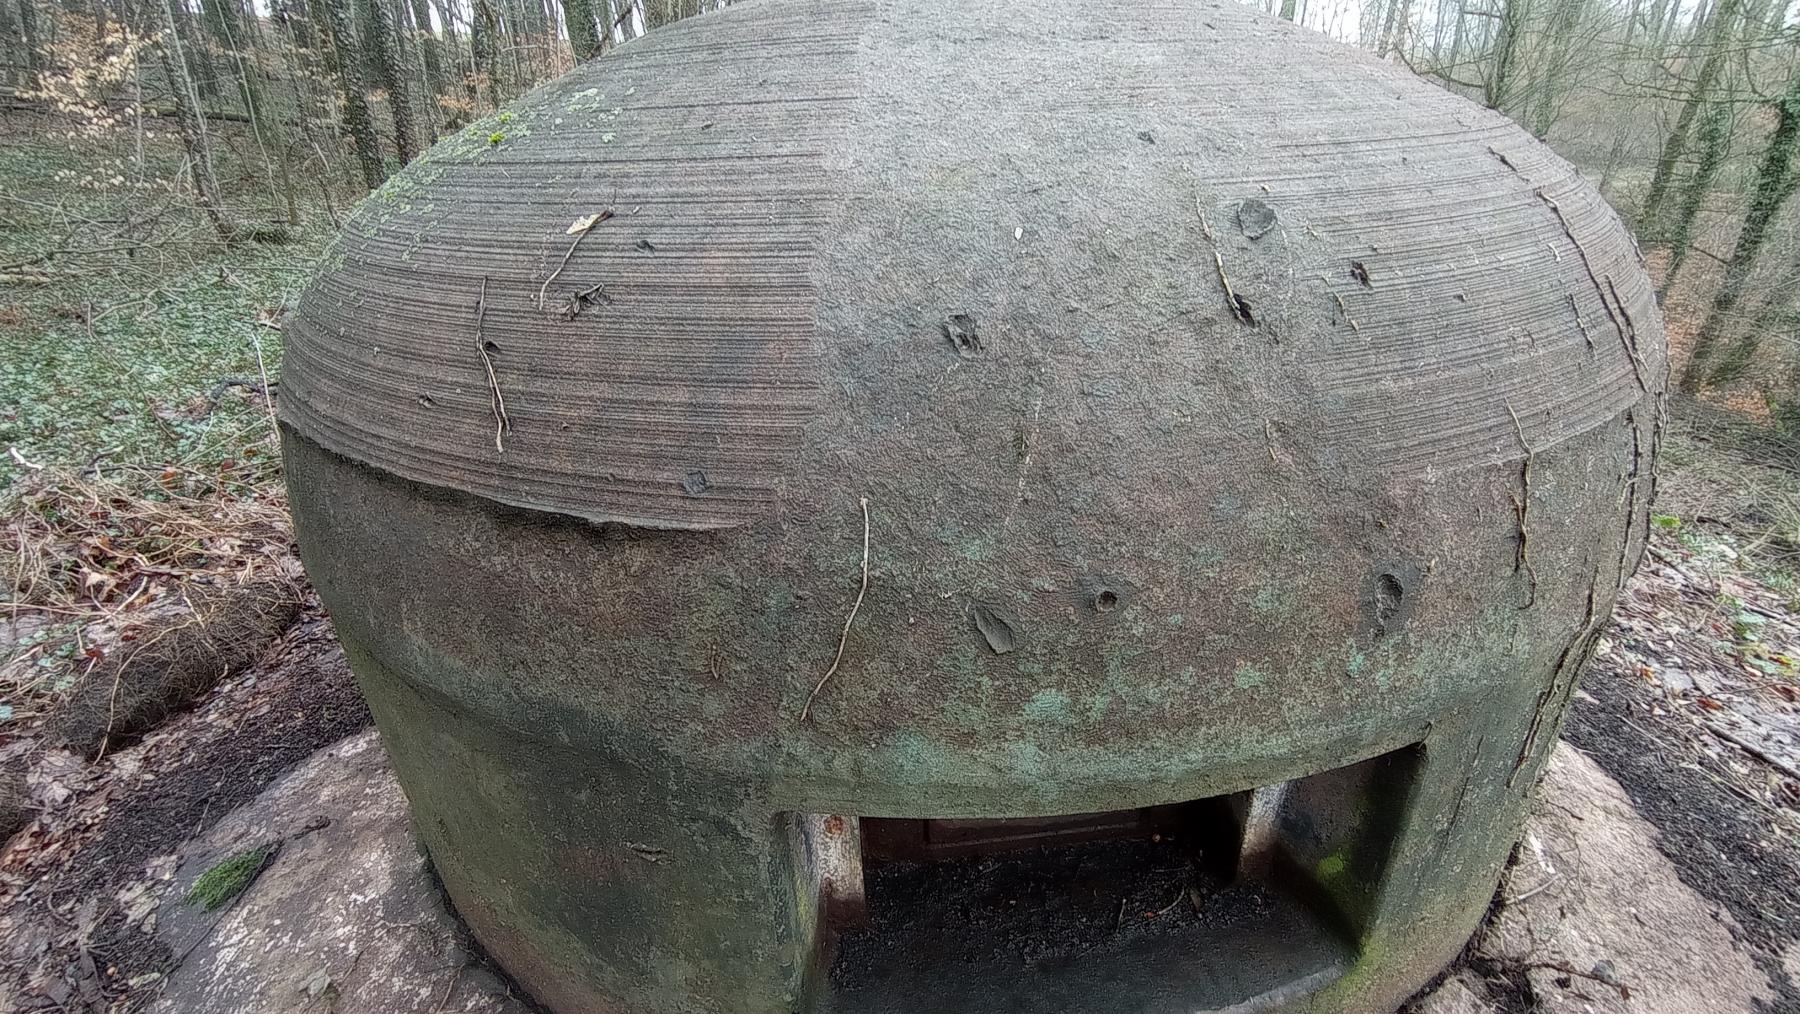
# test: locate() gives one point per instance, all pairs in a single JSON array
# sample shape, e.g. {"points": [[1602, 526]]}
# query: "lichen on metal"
{"points": [[1240, 419]]}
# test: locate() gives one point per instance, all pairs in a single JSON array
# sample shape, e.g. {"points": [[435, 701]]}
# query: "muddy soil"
{"points": [[68, 879]]}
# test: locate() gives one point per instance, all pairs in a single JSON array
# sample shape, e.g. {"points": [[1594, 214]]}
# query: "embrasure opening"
{"points": [[1205, 905]]}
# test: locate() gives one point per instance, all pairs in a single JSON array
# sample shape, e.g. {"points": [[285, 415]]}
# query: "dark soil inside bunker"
{"points": [[1032, 905], [1123, 924], [1720, 843]]}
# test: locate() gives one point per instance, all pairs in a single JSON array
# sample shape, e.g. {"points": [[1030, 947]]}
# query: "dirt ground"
{"points": [[67, 881]]}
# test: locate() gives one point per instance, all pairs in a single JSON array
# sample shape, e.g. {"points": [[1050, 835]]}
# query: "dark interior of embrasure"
{"points": [[1224, 903]]}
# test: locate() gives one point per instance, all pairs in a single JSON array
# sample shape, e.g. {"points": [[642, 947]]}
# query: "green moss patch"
{"points": [[228, 878]]}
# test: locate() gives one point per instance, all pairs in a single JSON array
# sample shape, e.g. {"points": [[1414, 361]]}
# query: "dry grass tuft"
{"points": [[80, 545], [170, 661], [88, 565]]}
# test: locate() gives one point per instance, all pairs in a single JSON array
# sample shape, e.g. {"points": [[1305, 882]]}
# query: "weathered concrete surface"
{"points": [[1463, 993], [1284, 410], [345, 918]]}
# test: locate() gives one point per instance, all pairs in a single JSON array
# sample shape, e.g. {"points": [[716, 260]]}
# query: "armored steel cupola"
{"points": [[1031, 508]]}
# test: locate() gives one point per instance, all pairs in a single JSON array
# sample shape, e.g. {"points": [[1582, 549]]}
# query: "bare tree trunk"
{"points": [[484, 42], [1564, 22], [307, 64], [428, 49], [1776, 180], [1697, 29], [345, 62], [34, 43], [199, 55], [1777, 316], [1667, 30], [297, 19], [1385, 44], [1675, 145], [1653, 27], [1457, 35], [216, 16], [428, 65], [12, 44], [603, 18], [453, 45], [583, 39], [192, 127], [1715, 144], [265, 127], [508, 35], [1368, 23], [1497, 88], [378, 24]]}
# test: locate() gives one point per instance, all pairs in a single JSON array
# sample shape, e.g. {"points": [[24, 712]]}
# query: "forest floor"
{"points": [[137, 361], [142, 524]]}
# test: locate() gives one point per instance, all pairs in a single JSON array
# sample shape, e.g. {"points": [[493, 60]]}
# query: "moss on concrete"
{"points": [[228, 878]]}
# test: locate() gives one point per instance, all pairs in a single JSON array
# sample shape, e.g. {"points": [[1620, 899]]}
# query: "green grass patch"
{"points": [[110, 357]]}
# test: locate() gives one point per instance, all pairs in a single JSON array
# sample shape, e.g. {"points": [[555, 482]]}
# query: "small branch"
{"points": [[1440, 75], [449, 988], [1343, 309], [806, 711], [1575, 308], [502, 424], [1755, 751], [217, 393], [1685, 574], [1239, 306], [1549, 882], [50, 255], [1628, 335], [1708, 254], [582, 228], [1588, 265], [1522, 510], [572, 307], [1567, 969]]}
